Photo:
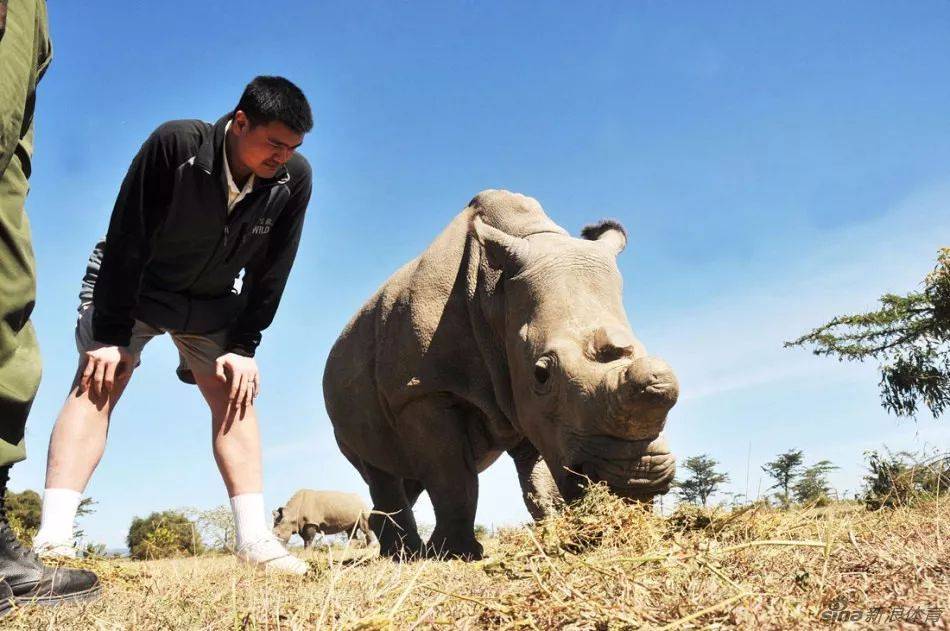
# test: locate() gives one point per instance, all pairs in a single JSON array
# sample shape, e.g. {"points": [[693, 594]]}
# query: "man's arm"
{"points": [[266, 276], [139, 210]]}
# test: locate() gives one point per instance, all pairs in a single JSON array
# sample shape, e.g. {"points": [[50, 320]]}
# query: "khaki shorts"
{"points": [[197, 353]]}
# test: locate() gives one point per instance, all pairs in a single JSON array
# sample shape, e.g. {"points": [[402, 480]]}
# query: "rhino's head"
{"points": [[585, 390], [284, 528]]}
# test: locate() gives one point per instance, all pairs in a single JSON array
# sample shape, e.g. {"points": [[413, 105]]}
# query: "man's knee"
{"points": [[103, 401]]}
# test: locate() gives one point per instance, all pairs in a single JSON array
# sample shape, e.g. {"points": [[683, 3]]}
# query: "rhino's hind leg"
{"points": [[392, 519]]}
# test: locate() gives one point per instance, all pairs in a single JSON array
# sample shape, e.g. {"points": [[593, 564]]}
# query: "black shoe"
{"points": [[32, 582], [6, 598], [28, 579]]}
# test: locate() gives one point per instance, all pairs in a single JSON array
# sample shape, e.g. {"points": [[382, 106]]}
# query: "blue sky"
{"points": [[774, 166]]}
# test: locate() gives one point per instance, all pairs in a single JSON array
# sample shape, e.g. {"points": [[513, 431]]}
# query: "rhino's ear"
{"points": [[504, 251], [278, 515], [609, 232]]}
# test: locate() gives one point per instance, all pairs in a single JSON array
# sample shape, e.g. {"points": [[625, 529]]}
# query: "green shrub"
{"points": [[903, 478], [23, 514], [162, 535]]}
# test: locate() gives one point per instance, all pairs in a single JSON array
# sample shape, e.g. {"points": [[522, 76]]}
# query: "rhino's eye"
{"points": [[542, 373]]}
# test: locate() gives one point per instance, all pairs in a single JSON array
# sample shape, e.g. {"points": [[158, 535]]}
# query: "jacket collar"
{"points": [[210, 157]]}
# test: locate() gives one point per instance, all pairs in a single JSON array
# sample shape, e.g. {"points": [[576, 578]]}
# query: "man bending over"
{"points": [[200, 204]]}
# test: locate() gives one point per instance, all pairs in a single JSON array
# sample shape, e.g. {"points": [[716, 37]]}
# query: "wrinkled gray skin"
{"points": [[309, 513], [505, 335]]}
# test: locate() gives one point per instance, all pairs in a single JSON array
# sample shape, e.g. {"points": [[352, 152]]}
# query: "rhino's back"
{"points": [[329, 507]]}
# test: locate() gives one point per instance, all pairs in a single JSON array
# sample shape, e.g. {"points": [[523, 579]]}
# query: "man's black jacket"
{"points": [[173, 252]]}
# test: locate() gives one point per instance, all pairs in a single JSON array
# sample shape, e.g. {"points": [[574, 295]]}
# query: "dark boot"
{"points": [[6, 599], [25, 576]]}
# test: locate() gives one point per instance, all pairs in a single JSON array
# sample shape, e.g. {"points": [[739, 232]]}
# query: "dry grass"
{"points": [[602, 565]]}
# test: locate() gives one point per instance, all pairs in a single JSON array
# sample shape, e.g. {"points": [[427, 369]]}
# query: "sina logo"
{"points": [[263, 226]]}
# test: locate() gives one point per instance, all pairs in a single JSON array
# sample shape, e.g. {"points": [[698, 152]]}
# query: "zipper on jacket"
{"points": [[229, 217], [237, 242]]}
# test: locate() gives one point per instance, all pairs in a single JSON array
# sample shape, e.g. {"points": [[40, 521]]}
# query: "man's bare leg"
{"points": [[236, 441], [235, 438], [79, 436], [76, 446]]}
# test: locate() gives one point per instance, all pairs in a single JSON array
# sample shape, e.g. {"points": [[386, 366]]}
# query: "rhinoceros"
{"points": [[309, 512], [505, 335]]}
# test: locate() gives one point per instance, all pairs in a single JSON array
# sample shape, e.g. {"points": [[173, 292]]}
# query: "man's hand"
{"points": [[242, 375], [104, 365]]}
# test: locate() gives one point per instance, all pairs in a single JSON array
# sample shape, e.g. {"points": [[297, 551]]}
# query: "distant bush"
{"points": [[23, 513], [94, 551], [903, 478], [162, 535], [425, 530]]}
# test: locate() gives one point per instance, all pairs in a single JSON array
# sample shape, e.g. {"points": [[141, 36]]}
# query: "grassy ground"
{"points": [[602, 565]]}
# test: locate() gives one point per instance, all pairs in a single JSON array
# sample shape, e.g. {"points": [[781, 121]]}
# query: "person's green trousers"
{"points": [[25, 52]]}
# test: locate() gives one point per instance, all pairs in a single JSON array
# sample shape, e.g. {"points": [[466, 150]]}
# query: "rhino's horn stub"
{"points": [[492, 197], [513, 213], [610, 231]]}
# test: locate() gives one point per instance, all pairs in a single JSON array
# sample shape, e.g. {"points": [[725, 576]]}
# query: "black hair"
{"points": [[268, 99]]}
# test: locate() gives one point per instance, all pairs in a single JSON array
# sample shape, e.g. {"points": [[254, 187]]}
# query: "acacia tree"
{"points": [[703, 479], [215, 526], [813, 485], [85, 507], [910, 337], [784, 470]]}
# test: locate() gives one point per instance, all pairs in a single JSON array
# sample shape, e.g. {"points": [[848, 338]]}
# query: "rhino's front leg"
{"points": [[436, 430], [537, 485], [308, 533], [454, 500]]}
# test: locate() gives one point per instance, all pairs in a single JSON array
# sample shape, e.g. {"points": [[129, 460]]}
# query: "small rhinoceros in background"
{"points": [[309, 512], [505, 335]]}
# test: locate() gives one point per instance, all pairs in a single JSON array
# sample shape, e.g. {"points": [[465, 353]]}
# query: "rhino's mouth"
{"points": [[636, 469]]}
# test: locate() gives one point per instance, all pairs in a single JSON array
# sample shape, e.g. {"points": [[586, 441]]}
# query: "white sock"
{"points": [[59, 513], [249, 522]]}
